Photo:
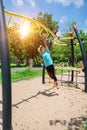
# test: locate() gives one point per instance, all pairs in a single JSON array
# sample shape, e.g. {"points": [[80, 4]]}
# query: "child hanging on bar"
{"points": [[45, 53]]}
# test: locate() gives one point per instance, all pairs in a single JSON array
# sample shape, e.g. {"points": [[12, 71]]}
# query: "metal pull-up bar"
{"points": [[6, 74]]}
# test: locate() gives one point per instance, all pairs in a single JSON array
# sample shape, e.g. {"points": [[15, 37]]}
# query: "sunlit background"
{"points": [[24, 29]]}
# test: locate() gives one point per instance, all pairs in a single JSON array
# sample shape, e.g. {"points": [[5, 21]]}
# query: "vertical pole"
{"points": [[72, 55], [83, 55], [43, 74], [6, 74]]}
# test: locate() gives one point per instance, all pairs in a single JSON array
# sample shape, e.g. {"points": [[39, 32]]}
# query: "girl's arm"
{"points": [[45, 44], [45, 41]]}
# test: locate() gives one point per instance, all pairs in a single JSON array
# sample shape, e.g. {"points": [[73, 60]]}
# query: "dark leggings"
{"points": [[51, 72]]}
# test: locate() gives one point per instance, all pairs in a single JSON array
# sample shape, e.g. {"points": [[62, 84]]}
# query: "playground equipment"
{"points": [[36, 25], [71, 38], [72, 69], [83, 55], [6, 75]]}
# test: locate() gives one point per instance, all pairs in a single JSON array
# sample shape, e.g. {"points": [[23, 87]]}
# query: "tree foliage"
{"points": [[23, 49], [47, 20], [15, 44]]}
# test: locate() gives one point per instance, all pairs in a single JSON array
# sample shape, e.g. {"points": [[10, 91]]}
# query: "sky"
{"points": [[63, 11]]}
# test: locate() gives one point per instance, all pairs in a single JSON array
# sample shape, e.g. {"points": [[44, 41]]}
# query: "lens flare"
{"points": [[24, 29]]}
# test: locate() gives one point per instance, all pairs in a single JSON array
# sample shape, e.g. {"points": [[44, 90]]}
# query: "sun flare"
{"points": [[24, 29]]}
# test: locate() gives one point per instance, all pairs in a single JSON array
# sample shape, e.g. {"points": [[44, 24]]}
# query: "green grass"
{"points": [[25, 74], [15, 65]]}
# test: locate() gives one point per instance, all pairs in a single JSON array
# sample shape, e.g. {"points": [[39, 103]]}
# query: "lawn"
{"points": [[25, 74]]}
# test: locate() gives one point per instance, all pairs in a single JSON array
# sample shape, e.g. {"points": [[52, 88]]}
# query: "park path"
{"points": [[23, 68], [37, 106]]}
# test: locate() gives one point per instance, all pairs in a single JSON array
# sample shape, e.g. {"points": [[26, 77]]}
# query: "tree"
{"points": [[15, 45], [30, 46], [47, 20], [84, 40], [69, 26], [23, 49]]}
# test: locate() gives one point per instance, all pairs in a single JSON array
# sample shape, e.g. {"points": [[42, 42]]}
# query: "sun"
{"points": [[24, 29]]}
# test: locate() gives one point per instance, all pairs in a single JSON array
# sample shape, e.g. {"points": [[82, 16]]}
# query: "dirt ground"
{"points": [[37, 106]]}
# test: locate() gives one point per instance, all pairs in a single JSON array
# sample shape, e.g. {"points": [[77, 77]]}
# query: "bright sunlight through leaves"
{"points": [[24, 29]]}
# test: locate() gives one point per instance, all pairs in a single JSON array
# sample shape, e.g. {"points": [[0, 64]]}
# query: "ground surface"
{"points": [[37, 106]]}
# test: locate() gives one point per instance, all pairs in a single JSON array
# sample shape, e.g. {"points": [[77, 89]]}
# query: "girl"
{"points": [[45, 53]]}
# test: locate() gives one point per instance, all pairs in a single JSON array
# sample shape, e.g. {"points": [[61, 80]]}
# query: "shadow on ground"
{"points": [[78, 123], [45, 93]]}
